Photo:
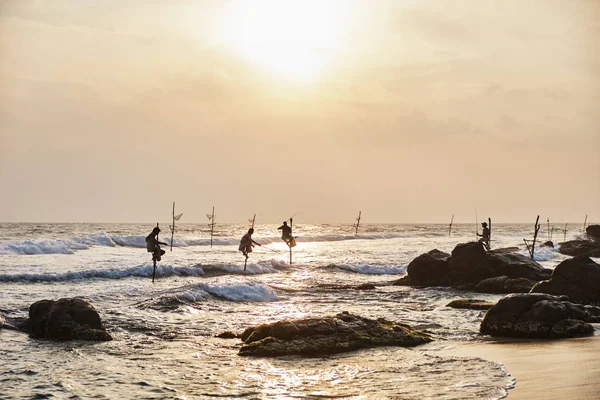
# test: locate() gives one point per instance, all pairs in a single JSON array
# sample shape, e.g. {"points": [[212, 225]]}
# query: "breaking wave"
{"points": [[60, 246], [374, 269], [255, 292]]}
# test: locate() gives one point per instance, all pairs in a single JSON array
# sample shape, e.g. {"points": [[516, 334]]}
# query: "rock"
{"points": [[539, 316], [503, 284], [227, 335], [578, 278], [472, 304], [470, 264], [429, 269], [327, 335], [549, 243], [590, 248], [65, 319], [593, 231]]}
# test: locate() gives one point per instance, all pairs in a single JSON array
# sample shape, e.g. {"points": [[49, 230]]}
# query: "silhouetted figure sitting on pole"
{"points": [[485, 236], [246, 245], [153, 244], [286, 234]]}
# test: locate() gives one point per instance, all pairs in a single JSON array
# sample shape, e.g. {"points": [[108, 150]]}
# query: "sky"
{"points": [[409, 111]]}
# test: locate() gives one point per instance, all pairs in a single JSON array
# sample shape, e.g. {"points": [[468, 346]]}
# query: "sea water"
{"points": [[164, 332]]}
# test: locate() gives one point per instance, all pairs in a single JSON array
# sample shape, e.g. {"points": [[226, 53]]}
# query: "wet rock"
{"points": [[549, 243], [471, 304], [469, 264], [429, 269], [227, 335], [589, 248], [327, 335], [578, 278], [593, 231], [503, 284], [65, 319], [539, 316]]}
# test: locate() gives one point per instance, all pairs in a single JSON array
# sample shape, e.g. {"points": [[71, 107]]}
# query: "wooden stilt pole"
{"points": [[450, 227], [548, 221], [565, 233], [154, 259], [211, 225], [289, 243], [490, 226], [537, 228], [245, 262], [173, 226], [358, 222], [476, 227]]}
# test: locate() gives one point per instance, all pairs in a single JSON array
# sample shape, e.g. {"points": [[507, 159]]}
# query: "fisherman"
{"points": [[485, 236], [286, 232], [247, 243], [153, 244]]}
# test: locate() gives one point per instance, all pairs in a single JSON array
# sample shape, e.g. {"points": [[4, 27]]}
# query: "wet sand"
{"points": [[558, 369]]}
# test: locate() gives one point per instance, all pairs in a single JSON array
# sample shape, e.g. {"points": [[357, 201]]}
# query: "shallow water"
{"points": [[164, 332]]}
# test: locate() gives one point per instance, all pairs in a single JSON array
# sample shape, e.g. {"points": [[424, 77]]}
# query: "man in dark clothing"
{"points": [[247, 243], [485, 236], [286, 232], [153, 245]]}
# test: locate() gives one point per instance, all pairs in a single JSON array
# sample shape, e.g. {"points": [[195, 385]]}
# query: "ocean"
{"points": [[164, 332]]}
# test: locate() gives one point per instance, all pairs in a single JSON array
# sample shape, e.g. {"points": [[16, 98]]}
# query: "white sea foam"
{"points": [[374, 269], [113, 273], [30, 247], [254, 292], [542, 254]]}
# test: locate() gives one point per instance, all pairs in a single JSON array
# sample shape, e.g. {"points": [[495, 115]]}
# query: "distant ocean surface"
{"points": [[165, 345]]}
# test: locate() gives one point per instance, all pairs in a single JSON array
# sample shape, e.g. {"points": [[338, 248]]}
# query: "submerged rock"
{"points": [[65, 319], [227, 335], [503, 284], [327, 335], [471, 304], [578, 278], [539, 316], [469, 264], [590, 248]]}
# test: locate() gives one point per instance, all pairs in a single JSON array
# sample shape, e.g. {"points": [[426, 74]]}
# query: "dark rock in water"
{"points": [[227, 335], [590, 248], [470, 264], [593, 231], [549, 243], [539, 316], [471, 304], [578, 278], [503, 284], [429, 269], [65, 319], [327, 335]]}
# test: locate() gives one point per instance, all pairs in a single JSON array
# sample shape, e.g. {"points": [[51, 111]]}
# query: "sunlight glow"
{"points": [[294, 40]]}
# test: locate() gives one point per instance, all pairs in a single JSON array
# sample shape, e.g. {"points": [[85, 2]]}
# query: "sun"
{"points": [[294, 40]]}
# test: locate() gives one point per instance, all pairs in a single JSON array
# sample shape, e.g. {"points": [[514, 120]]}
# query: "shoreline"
{"points": [[542, 369]]}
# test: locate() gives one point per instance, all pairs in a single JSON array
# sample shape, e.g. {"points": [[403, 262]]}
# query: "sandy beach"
{"points": [[557, 369]]}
